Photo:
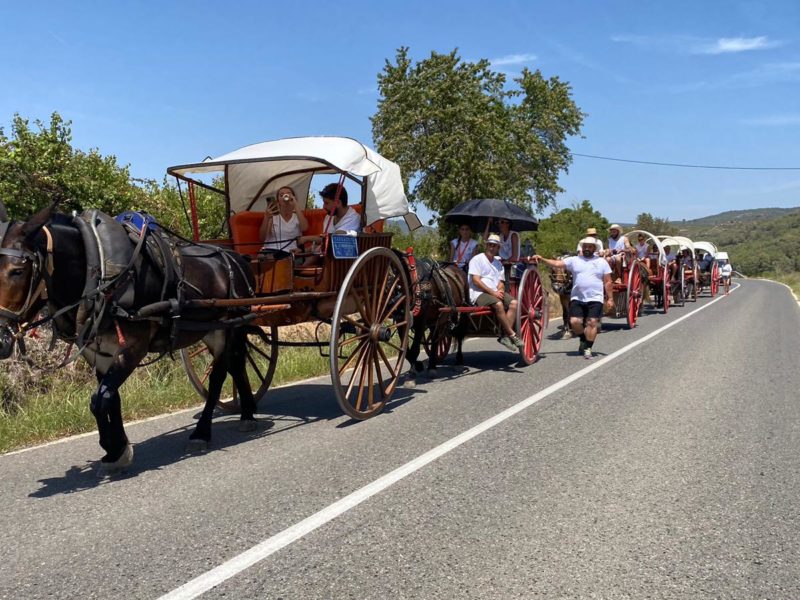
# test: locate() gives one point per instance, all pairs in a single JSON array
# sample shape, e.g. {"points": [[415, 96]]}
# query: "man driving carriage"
{"points": [[618, 247], [487, 288]]}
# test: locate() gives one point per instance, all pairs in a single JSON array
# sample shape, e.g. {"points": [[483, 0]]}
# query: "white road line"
{"points": [[259, 552]]}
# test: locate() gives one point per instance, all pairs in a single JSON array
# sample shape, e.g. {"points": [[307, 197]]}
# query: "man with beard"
{"points": [[591, 276], [617, 247]]}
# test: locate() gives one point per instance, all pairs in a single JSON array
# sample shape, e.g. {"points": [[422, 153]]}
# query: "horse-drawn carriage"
{"points": [[354, 286], [459, 318], [657, 274], [708, 274], [684, 286]]}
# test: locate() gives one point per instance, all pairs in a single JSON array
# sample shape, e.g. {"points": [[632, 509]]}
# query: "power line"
{"points": [[686, 166]]}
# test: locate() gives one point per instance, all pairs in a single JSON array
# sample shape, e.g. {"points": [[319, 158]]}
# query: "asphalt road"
{"points": [[670, 470]]}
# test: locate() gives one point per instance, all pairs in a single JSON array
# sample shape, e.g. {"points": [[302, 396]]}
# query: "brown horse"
{"points": [[437, 287], [43, 264], [561, 283]]}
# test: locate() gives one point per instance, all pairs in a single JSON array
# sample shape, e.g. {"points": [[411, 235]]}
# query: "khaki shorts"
{"points": [[489, 300]]}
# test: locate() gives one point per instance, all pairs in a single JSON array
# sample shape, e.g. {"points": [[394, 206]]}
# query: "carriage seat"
{"points": [[245, 226]]}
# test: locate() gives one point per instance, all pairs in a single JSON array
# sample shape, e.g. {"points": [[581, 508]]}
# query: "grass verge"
{"points": [[163, 387]]}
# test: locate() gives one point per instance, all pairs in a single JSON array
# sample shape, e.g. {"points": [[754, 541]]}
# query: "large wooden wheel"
{"points": [[262, 355], [444, 342], [369, 333], [532, 314], [635, 294], [714, 279]]}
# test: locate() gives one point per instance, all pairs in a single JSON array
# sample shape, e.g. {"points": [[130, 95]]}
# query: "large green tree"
{"points": [[560, 233], [458, 130], [655, 225]]}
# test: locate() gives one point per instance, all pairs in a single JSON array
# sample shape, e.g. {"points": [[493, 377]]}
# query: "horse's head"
{"points": [[21, 274], [560, 280]]}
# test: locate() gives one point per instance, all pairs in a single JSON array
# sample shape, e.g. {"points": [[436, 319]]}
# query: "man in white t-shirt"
{"points": [[725, 270], [340, 218], [487, 288], [617, 247], [591, 278]]}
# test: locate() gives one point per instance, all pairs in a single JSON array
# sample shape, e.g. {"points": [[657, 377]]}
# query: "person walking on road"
{"points": [[591, 277], [487, 288], [725, 271]]}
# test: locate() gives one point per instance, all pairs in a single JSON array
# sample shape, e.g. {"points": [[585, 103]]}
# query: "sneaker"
{"points": [[506, 341], [582, 346], [587, 354], [517, 342]]}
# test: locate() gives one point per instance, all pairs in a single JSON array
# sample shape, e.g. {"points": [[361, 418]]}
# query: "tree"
{"points": [[458, 133], [655, 225], [560, 233], [38, 166]]}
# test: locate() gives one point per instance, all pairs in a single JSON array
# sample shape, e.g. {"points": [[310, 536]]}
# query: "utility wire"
{"points": [[687, 166]]}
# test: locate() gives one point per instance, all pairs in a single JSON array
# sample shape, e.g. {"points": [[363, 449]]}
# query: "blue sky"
{"points": [[163, 83]]}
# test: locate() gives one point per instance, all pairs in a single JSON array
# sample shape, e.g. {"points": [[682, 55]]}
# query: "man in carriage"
{"points": [[487, 288], [618, 248]]}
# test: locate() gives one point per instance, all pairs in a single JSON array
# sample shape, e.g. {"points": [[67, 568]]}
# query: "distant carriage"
{"points": [[709, 273]]}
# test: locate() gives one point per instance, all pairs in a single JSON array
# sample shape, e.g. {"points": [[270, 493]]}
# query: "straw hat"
{"points": [[615, 226], [588, 241], [493, 239]]}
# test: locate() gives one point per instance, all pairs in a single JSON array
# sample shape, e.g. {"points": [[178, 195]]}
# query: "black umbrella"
{"points": [[475, 213]]}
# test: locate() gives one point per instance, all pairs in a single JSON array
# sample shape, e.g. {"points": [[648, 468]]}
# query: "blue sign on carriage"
{"points": [[344, 246]]}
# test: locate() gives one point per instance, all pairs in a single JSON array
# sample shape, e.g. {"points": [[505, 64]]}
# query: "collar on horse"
{"points": [[37, 289]]}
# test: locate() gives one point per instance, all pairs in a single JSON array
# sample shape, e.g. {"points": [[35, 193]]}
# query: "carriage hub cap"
{"points": [[380, 333]]}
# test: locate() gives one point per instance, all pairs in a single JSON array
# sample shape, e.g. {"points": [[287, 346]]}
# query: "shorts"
{"points": [[585, 310], [489, 300]]}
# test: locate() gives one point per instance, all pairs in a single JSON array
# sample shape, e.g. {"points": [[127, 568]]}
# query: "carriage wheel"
{"points": [[681, 295], [714, 279], [531, 314], [262, 354], [369, 333], [693, 283], [444, 343], [635, 294]]}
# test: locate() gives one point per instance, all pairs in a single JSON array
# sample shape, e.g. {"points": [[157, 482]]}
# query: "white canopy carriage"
{"points": [[333, 283], [688, 276], [658, 277], [709, 278]]}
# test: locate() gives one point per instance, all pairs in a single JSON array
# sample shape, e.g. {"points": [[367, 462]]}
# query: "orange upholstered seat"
{"points": [[245, 226]]}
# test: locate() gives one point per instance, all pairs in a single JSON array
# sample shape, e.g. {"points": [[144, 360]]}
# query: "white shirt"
{"points": [[587, 277], [284, 234], [350, 221], [506, 247], [463, 251], [642, 250], [491, 274], [617, 244], [726, 270]]}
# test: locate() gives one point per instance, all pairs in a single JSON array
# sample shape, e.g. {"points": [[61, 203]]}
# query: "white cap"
{"points": [[588, 240]]}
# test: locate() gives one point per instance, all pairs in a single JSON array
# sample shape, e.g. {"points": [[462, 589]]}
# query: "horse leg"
{"points": [[106, 406], [566, 329], [459, 333], [201, 436], [237, 367], [412, 354]]}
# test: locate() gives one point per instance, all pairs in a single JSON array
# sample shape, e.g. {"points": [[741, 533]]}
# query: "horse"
{"points": [[561, 283], [45, 264], [436, 287]]}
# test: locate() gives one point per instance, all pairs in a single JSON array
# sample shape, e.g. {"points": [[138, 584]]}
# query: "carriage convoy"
{"points": [[362, 295]]}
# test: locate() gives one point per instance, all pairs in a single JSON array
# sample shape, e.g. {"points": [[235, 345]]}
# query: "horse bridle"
{"points": [[37, 288]]}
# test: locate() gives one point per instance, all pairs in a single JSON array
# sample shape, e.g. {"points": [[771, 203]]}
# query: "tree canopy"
{"points": [[560, 233], [655, 225], [459, 132]]}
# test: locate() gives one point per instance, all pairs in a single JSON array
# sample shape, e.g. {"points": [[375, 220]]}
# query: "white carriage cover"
{"points": [[651, 239], [706, 247], [256, 172]]}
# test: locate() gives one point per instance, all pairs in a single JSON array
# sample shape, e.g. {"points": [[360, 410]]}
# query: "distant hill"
{"points": [[759, 240], [737, 216]]}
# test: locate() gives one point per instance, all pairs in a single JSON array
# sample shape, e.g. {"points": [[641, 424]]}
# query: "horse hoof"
{"points": [[566, 335], [196, 445], [112, 468], [248, 425], [432, 373], [410, 382]]}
